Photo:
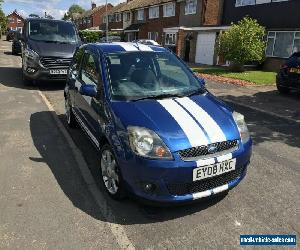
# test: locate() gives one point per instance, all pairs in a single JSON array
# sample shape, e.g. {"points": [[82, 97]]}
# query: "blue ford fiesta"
{"points": [[160, 134]]}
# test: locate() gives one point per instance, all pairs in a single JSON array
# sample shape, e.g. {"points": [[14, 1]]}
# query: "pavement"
{"points": [[47, 202]]}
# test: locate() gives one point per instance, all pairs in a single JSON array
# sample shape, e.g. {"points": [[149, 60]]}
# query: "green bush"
{"points": [[89, 36], [242, 42]]}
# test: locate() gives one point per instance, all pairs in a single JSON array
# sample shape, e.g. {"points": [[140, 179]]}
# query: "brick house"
{"points": [[144, 19], [15, 21], [115, 20], [198, 29], [281, 19], [91, 19]]}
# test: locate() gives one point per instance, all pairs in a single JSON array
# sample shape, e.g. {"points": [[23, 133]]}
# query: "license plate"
{"points": [[58, 71], [213, 170], [295, 70]]}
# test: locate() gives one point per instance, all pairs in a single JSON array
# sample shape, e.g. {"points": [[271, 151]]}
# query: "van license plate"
{"points": [[58, 71], [213, 170], [295, 70]]}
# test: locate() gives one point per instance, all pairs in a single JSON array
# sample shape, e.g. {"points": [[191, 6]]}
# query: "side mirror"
{"points": [[88, 90]]}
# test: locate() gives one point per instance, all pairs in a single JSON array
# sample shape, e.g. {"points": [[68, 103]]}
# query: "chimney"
{"points": [[129, 1], [94, 5]]}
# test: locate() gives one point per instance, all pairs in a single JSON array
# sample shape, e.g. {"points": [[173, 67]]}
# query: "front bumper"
{"points": [[172, 179], [40, 72]]}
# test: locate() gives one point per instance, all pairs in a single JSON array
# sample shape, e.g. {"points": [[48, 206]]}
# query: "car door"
{"points": [[87, 107], [74, 74]]}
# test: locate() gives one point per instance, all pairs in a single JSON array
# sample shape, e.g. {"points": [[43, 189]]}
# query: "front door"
{"points": [[88, 108]]}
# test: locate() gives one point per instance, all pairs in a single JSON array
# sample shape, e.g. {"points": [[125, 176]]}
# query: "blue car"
{"points": [[161, 135]]}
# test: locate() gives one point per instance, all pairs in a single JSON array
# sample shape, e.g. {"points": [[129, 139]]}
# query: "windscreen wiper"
{"points": [[162, 96]]}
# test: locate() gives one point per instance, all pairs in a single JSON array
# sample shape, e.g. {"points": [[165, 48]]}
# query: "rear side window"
{"points": [[77, 59]]}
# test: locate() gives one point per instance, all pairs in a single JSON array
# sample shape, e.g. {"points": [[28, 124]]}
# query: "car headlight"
{"points": [[242, 126], [29, 53], [147, 143]]}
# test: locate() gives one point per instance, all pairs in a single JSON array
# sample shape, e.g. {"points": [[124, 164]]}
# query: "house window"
{"points": [[170, 39], [153, 36], [282, 43], [154, 12], [111, 18], [239, 3], [118, 17], [140, 15], [190, 7], [104, 19], [169, 9], [19, 20], [11, 20], [126, 16]]}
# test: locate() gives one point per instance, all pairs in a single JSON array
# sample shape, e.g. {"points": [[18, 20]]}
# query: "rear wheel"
{"points": [[111, 175], [283, 90], [72, 123]]}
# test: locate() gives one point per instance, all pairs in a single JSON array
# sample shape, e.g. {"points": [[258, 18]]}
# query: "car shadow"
{"points": [[56, 153], [266, 127], [12, 77]]}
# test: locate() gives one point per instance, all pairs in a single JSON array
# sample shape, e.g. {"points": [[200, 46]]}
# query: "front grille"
{"points": [[55, 62], [203, 185], [196, 152]]}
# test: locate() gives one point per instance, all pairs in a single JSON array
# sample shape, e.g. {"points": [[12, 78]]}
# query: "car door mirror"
{"points": [[88, 90]]}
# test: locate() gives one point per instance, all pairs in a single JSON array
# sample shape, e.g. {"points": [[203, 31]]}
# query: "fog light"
{"points": [[30, 70], [149, 187]]}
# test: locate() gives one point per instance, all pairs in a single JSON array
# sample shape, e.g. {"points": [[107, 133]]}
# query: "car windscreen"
{"points": [[51, 31], [137, 75]]}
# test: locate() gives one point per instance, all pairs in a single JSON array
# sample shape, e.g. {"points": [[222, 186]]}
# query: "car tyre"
{"points": [[70, 117], [283, 90], [111, 174]]}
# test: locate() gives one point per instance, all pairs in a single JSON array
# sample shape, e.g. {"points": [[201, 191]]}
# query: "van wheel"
{"points": [[71, 121], [283, 90], [111, 175], [25, 80]]}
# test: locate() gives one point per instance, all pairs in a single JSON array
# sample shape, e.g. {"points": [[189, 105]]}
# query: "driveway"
{"points": [[46, 202]]}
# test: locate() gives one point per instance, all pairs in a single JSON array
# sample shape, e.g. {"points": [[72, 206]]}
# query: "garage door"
{"points": [[205, 48]]}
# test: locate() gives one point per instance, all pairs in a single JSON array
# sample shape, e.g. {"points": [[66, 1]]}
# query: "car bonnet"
{"points": [[181, 122]]}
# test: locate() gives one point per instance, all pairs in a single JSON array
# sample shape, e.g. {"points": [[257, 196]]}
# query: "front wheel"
{"points": [[26, 81], [111, 175]]}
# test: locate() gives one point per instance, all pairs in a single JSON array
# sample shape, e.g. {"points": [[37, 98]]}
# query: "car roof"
{"points": [[125, 47]]}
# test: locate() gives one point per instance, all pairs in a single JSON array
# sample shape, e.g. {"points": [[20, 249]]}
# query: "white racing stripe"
{"points": [[127, 46], [220, 189], [144, 47], [202, 194], [210, 126], [191, 129]]}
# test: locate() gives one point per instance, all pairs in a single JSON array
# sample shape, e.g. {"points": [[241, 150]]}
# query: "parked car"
{"points": [[110, 39], [288, 77], [16, 46], [10, 35], [147, 42], [160, 134], [48, 48]]}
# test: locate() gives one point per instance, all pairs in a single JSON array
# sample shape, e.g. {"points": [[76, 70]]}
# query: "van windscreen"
{"points": [[52, 31]]}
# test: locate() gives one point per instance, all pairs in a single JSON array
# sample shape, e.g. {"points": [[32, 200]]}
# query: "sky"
{"points": [[55, 8]]}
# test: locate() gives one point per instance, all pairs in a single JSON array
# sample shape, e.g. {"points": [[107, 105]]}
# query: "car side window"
{"points": [[77, 61], [89, 72]]}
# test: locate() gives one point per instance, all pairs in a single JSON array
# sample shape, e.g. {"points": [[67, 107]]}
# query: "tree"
{"points": [[242, 42], [3, 20], [75, 8], [34, 15]]}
